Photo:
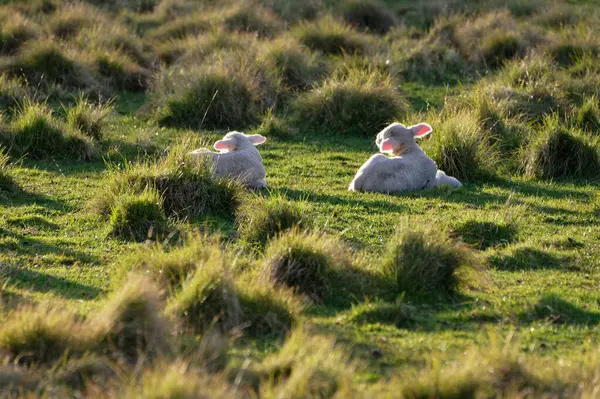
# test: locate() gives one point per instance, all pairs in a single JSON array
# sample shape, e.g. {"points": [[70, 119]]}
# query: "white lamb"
{"points": [[238, 159], [408, 169]]}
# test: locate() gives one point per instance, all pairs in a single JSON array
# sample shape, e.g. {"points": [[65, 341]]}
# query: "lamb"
{"points": [[238, 159], [408, 169]]}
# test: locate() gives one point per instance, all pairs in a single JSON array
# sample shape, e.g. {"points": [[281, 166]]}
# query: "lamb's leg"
{"points": [[442, 179], [262, 183]]}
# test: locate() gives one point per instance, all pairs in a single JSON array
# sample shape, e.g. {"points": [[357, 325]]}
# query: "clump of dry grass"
{"points": [[419, 260], [89, 118], [15, 31], [264, 217], [308, 263], [188, 188], [558, 153], [39, 335], [331, 36], [35, 132], [227, 91], [369, 15], [131, 324], [353, 102]]}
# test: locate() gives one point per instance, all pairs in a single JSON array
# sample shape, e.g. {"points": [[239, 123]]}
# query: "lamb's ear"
{"points": [[256, 139], [386, 146], [225, 145], [421, 130]]}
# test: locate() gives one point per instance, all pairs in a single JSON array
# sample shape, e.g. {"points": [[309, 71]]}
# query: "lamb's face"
{"points": [[398, 139], [236, 141]]}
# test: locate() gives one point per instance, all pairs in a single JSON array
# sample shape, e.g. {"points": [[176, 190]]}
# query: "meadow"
{"points": [[128, 271]]}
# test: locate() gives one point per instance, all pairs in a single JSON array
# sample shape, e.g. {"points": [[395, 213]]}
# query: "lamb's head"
{"points": [[235, 141], [398, 139]]}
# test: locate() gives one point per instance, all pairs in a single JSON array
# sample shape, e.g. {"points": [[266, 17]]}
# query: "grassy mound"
{"points": [[88, 118], [558, 153], [12, 93], [265, 217], [354, 103], [188, 189], [45, 64], [460, 148], [295, 64], [266, 311], [209, 298], [38, 335], [308, 263], [14, 31], [493, 38], [588, 116], [36, 133], [331, 36], [69, 19], [230, 93], [7, 183], [138, 216], [131, 322], [251, 18], [122, 72], [370, 15], [425, 261], [170, 268], [323, 371], [293, 11]]}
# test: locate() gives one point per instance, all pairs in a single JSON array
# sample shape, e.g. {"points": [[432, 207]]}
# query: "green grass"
{"points": [[71, 312]]}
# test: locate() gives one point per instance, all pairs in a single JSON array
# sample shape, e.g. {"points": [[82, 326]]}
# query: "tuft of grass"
{"points": [[558, 153], [170, 268], [177, 380], [369, 15], [266, 311], [294, 63], [72, 18], [188, 188], [460, 148], [491, 39], [250, 18], [208, 299], [138, 215], [12, 93], [324, 371], [420, 260], [15, 31], [131, 324], [121, 71], [229, 93], [36, 133], [47, 65], [88, 118], [352, 103], [7, 182], [308, 263], [265, 217], [331, 37], [293, 11], [588, 116], [40, 335]]}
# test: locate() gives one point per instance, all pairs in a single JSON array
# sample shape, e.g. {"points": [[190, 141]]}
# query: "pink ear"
{"points": [[421, 130], [224, 145], [386, 146]]}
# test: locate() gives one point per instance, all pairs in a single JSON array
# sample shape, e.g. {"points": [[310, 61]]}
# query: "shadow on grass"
{"points": [[42, 282], [484, 235], [527, 258], [554, 309], [30, 246], [26, 198]]}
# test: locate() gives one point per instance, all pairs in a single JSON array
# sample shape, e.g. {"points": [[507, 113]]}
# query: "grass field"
{"points": [[125, 271]]}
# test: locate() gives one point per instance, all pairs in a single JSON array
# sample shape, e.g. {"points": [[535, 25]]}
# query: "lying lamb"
{"points": [[238, 158], [408, 169]]}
